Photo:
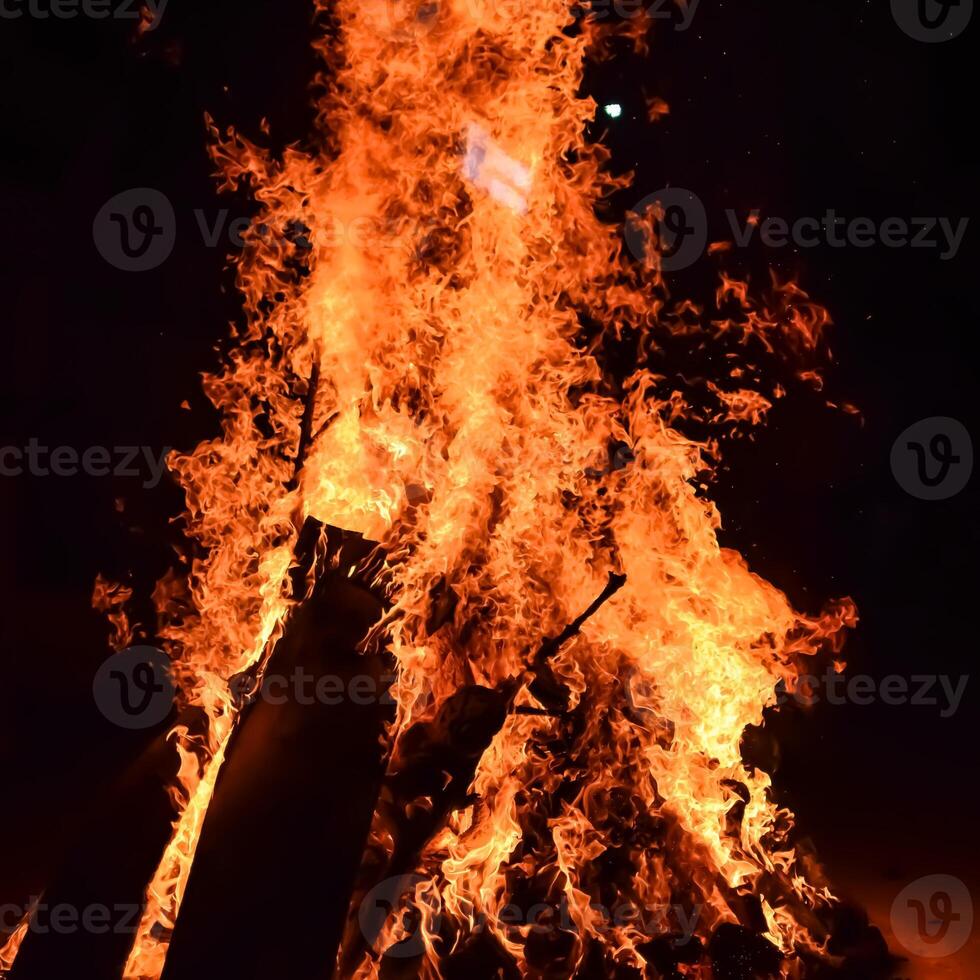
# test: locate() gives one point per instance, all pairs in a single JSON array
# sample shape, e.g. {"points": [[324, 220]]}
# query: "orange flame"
{"points": [[10, 949], [439, 248]]}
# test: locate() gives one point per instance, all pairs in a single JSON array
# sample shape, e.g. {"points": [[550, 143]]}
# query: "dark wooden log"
{"points": [[436, 761], [92, 904], [270, 886]]}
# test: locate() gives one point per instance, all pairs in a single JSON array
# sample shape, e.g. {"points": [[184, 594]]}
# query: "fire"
{"points": [[415, 367], [10, 949]]}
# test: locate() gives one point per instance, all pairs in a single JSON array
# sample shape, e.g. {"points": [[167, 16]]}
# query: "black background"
{"points": [[791, 108]]}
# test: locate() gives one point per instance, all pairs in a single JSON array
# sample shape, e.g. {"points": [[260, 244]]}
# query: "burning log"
{"points": [[283, 836], [100, 883], [437, 761]]}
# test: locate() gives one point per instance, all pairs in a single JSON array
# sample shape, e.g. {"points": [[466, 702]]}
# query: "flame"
{"points": [[414, 365], [10, 949], [110, 599]]}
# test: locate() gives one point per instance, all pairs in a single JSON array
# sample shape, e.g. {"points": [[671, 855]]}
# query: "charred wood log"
{"points": [[283, 837], [437, 760]]}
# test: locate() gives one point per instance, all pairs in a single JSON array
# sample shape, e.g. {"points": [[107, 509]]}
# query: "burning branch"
{"points": [[451, 745], [545, 686], [306, 423]]}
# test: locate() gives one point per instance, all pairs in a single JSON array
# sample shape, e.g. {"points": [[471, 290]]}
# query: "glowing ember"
{"points": [[437, 392]]}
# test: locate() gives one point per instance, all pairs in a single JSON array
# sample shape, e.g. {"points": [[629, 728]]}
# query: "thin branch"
{"points": [[551, 645], [306, 425]]}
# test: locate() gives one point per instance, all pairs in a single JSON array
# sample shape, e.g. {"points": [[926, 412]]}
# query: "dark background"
{"points": [[792, 108]]}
